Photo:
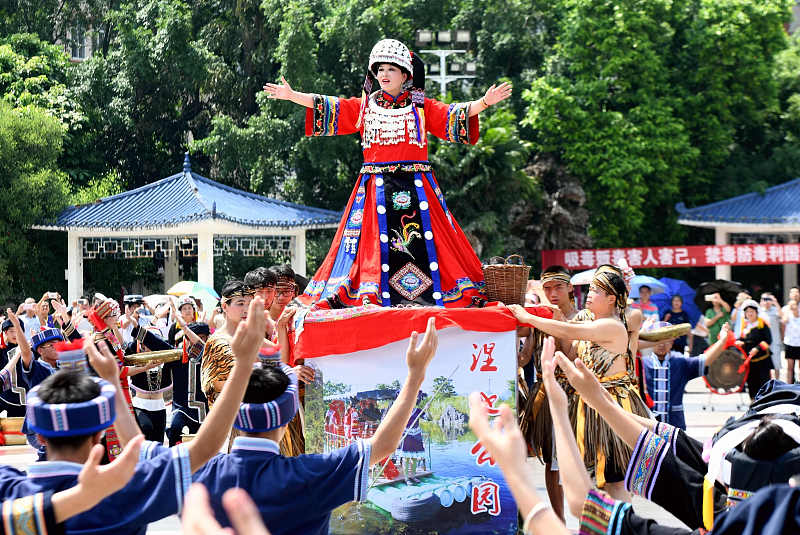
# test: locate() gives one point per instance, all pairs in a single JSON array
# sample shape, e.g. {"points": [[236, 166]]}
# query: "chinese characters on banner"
{"points": [[677, 256], [452, 467]]}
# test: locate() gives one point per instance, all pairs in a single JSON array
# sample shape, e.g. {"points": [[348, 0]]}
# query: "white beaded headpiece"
{"points": [[390, 51]]}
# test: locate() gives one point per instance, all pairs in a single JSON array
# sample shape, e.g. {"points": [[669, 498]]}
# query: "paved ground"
{"points": [[704, 414]]}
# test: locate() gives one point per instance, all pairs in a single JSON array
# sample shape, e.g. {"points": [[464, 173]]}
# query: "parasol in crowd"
{"points": [[655, 285], [584, 277], [192, 288], [677, 287], [208, 296], [728, 290]]}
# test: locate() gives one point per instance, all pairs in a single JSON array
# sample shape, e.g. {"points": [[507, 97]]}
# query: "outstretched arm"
{"points": [[496, 93], [95, 482], [717, 347], [284, 91], [22, 340], [606, 332]]}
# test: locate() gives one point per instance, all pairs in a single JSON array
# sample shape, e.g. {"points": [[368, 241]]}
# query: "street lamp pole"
{"points": [[443, 78]]}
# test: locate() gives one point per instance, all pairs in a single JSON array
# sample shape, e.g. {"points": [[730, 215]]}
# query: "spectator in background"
{"points": [[27, 315], [794, 295], [716, 316], [676, 315], [648, 308], [770, 310], [737, 314], [755, 340]]}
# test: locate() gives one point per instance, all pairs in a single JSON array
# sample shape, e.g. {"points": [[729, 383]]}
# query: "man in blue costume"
{"points": [[70, 411]]}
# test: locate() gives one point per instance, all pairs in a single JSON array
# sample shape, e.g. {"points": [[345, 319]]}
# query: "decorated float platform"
{"points": [[451, 486]]}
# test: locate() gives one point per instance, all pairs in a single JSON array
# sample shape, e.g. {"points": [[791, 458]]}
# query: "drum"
{"points": [[723, 375]]}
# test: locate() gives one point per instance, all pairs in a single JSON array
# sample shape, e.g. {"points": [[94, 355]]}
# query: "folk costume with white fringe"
{"points": [[601, 448], [397, 242]]}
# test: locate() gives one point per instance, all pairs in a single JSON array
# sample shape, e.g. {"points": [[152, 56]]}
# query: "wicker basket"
{"points": [[506, 281]]}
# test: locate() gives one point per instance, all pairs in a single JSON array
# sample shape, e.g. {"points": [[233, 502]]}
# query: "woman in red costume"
{"points": [[397, 243]]}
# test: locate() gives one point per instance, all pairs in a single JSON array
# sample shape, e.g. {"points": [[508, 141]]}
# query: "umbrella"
{"points": [[584, 277], [728, 290], [653, 283], [208, 296], [192, 288], [677, 287]]}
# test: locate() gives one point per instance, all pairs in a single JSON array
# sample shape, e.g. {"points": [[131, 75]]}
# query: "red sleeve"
{"points": [[332, 116], [451, 122]]}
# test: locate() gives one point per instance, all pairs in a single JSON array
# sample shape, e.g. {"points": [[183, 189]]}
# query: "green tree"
{"points": [[333, 389], [444, 387], [645, 103], [34, 191]]}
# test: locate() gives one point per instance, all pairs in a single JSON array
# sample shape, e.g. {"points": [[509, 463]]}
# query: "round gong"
{"points": [[723, 374]]}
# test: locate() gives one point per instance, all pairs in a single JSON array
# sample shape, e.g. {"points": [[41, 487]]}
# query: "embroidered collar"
{"points": [[255, 444], [385, 100], [54, 469]]}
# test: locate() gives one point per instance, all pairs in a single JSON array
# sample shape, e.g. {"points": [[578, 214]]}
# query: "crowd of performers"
{"points": [[586, 410]]}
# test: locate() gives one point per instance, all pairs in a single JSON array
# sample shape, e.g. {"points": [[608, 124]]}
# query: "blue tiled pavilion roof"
{"points": [[778, 205], [188, 197]]}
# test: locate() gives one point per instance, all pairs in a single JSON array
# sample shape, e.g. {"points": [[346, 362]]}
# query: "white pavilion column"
{"points": [[721, 238], [789, 273], [74, 267], [299, 256], [205, 258], [171, 269]]}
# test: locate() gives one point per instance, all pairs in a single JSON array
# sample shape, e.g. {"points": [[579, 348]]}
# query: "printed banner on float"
{"points": [[440, 479]]}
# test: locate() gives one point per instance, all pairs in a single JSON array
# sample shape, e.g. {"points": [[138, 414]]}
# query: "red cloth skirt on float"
{"points": [[397, 242]]}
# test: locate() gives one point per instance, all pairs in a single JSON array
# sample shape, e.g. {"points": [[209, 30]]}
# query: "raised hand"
{"points": [[102, 361], [198, 518], [250, 334], [497, 93], [555, 393], [100, 481], [418, 356], [14, 320], [304, 373], [502, 439], [282, 91], [582, 379]]}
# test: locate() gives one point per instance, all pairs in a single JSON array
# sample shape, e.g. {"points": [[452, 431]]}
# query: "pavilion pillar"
{"points": [[299, 256], [205, 258], [789, 273], [721, 238], [171, 269], [74, 267]]}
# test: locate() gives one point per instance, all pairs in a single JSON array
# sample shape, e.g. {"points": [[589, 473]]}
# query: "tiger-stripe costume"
{"points": [[216, 364]]}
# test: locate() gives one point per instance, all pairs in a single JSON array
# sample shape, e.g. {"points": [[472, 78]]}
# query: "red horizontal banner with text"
{"points": [[677, 256]]}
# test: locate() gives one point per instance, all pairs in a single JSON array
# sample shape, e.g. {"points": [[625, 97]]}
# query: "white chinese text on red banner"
{"points": [[677, 256]]}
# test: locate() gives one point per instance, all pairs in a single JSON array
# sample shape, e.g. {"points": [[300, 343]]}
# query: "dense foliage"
{"points": [[621, 108]]}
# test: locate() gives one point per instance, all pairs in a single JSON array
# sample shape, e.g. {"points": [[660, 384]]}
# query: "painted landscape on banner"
{"points": [[440, 479]]}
